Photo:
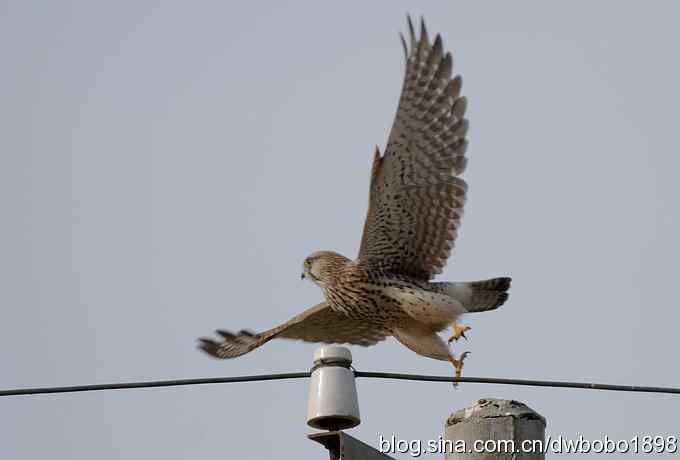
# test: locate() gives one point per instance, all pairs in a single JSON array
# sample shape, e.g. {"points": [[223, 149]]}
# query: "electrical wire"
{"points": [[376, 375], [522, 382], [152, 384]]}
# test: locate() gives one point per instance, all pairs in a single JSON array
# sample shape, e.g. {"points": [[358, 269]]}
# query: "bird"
{"points": [[415, 205]]}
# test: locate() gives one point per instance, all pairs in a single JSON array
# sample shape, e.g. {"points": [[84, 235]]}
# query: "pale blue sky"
{"points": [[165, 167]]}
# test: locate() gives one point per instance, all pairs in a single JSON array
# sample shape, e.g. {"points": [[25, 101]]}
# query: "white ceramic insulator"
{"points": [[333, 402]]}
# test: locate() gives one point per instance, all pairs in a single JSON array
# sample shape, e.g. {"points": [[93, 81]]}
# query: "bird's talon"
{"points": [[458, 365], [458, 332]]}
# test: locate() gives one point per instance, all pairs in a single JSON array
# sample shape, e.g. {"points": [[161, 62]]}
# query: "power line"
{"points": [[521, 382], [378, 375], [152, 384]]}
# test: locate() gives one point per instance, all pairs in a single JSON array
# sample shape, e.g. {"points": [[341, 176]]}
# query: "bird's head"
{"points": [[322, 266]]}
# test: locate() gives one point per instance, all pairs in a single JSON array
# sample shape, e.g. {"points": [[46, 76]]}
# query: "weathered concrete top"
{"points": [[493, 408]]}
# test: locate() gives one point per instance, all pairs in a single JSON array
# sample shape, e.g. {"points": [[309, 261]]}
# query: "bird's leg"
{"points": [[458, 364], [458, 332]]}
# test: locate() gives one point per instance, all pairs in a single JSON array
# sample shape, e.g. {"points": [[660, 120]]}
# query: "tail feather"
{"points": [[495, 284], [486, 300], [477, 296]]}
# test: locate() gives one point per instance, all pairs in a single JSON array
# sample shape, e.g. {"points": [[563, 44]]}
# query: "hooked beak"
{"points": [[302, 276]]}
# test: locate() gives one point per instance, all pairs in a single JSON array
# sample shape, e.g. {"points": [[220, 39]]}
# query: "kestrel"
{"points": [[415, 206]]}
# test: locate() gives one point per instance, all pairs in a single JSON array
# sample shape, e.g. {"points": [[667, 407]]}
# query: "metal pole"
{"points": [[495, 428], [342, 446]]}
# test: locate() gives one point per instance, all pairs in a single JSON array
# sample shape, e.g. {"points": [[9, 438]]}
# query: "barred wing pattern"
{"points": [[416, 199], [317, 324]]}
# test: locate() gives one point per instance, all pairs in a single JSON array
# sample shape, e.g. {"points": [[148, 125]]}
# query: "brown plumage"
{"points": [[415, 205]]}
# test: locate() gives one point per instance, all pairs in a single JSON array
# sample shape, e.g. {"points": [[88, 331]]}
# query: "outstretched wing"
{"points": [[416, 199], [317, 324]]}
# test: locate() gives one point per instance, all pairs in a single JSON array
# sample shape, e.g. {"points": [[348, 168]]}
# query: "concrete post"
{"points": [[495, 428]]}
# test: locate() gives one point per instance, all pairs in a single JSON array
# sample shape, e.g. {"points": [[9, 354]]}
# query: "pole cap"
{"points": [[332, 355]]}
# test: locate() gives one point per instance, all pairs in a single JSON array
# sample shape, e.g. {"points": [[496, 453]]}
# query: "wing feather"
{"points": [[416, 197], [317, 324]]}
